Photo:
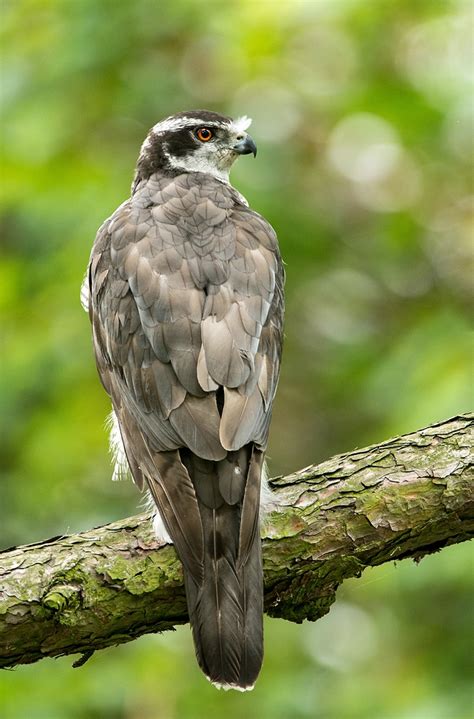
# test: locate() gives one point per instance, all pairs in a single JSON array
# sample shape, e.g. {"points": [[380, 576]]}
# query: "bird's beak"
{"points": [[245, 146]]}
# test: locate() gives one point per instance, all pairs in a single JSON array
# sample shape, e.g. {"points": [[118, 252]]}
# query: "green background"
{"points": [[363, 119]]}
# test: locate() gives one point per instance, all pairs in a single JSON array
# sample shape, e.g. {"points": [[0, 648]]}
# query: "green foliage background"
{"points": [[363, 119]]}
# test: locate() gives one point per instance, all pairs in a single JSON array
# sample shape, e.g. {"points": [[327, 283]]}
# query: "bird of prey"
{"points": [[184, 290]]}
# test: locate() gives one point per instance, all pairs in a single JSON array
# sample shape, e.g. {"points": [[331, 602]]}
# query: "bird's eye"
{"points": [[204, 134]]}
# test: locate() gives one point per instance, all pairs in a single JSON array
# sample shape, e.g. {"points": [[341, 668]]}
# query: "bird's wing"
{"points": [[242, 332]]}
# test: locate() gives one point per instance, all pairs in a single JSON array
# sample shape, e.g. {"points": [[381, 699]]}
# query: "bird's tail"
{"points": [[226, 605]]}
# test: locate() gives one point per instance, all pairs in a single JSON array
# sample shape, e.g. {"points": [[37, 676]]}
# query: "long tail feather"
{"points": [[226, 607]]}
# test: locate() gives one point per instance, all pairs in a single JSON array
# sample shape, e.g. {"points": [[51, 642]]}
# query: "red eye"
{"points": [[204, 134]]}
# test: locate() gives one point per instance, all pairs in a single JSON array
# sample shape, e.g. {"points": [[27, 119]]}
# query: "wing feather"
{"points": [[187, 288]]}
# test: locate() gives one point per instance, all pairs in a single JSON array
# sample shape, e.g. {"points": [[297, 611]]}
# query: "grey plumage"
{"points": [[186, 305]]}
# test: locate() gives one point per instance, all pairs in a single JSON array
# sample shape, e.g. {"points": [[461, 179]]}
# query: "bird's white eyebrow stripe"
{"points": [[173, 123]]}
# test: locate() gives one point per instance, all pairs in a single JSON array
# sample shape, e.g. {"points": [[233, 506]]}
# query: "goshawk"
{"points": [[185, 295]]}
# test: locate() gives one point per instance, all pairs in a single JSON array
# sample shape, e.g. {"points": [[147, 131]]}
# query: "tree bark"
{"points": [[406, 497]]}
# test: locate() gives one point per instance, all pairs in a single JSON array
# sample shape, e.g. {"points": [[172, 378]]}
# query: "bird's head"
{"points": [[195, 141]]}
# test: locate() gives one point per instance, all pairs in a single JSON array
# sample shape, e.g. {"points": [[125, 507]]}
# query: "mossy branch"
{"points": [[406, 497]]}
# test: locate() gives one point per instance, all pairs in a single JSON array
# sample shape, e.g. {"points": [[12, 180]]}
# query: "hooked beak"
{"points": [[246, 146]]}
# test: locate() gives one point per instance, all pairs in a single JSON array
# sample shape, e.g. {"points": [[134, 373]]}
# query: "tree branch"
{"points": [[406, 497]]}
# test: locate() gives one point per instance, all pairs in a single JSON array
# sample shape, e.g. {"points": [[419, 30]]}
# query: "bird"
{"points": [[185, 294]]}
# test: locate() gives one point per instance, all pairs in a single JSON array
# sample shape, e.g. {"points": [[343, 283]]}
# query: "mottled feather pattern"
{"points": [[186, 304], [180, 318]]}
